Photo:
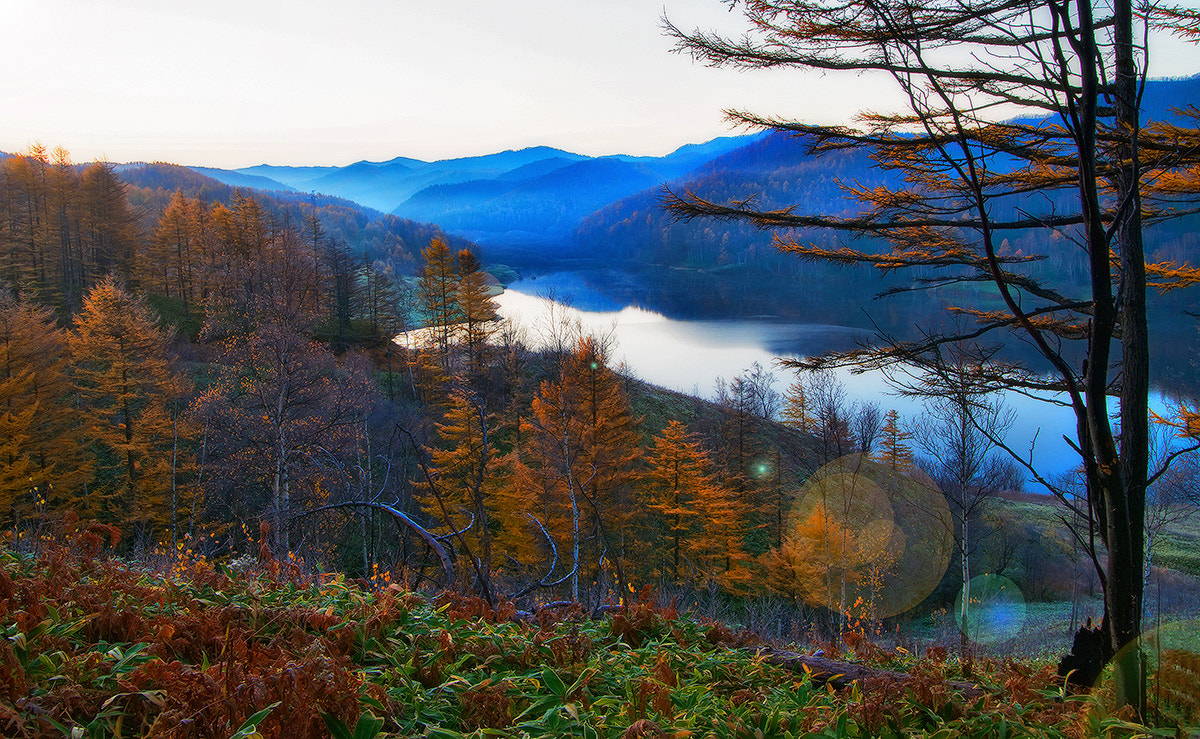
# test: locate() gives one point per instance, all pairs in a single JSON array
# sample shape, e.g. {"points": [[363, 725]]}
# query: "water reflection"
{"points": [[689, 356]]}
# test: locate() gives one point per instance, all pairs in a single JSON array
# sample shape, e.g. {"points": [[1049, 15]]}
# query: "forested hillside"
{"points": [[362, 233], [778, 171], [179, 376], [179, 363]]}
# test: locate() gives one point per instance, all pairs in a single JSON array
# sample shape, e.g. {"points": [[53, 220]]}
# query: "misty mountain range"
{"points": [[544, 203], [543, 199], [534, 194]]}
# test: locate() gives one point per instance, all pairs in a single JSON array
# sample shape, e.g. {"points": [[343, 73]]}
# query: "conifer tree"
{"points": [[581, 440], [41, 459], [110, 231], [797, 409], [25, 228], [439, 295], [173, 257], [554, 440], [893, 452], [462, 492], [612, 446], [801, 566], [123, 375], [477, 309], [697, 536]]}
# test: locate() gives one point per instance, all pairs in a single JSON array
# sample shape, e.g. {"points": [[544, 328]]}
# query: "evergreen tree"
{"points": [[581, 440], [173, 260], [41, 466], [698, 529], [462, 492], [477, 309], [123, 375], [797, 409], [111, 238], [439, 296], [893, 452]]}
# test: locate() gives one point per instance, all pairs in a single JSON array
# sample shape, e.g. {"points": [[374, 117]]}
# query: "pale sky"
{"points": [[234, 83]]}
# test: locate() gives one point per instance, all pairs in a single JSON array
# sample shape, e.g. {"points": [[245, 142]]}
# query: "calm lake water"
{"points": [[690, 355]]}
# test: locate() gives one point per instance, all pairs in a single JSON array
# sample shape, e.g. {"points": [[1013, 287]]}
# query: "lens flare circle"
{"points": [[995, 612], [867, 540]]}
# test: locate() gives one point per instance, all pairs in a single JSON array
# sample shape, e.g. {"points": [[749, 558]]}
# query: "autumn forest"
{"points": [[188, 370]]}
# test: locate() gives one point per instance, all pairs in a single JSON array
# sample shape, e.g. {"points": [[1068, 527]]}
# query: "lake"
{"points": [[689, 355]]}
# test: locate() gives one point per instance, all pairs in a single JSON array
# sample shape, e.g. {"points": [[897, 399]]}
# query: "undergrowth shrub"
{"points": [[96, 646]]}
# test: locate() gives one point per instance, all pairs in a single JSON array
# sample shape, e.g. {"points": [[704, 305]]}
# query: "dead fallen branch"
{"points": [[843, 674]]}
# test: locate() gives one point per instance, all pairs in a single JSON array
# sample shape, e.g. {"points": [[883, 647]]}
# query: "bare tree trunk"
{"points": [[1126, 533]]}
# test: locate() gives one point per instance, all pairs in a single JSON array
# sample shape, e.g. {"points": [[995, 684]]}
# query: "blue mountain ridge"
{"points": [[550, 196]]}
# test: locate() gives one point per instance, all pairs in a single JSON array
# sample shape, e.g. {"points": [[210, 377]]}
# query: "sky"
{"points": [[235, 83]]}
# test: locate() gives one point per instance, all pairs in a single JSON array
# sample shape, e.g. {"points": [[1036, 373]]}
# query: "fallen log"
{"points": [[843, 674]]}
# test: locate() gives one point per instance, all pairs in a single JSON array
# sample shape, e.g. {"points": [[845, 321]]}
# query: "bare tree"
{"points": [[827, 398], [955, 434], [866, 424]]}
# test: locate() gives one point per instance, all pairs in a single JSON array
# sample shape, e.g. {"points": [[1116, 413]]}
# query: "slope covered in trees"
{"points": [[1090, 169], [226, 360], [358, 230]]}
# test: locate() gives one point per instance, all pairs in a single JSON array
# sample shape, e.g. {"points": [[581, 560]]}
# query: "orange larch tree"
{"points": [[695, 533], [463, 488], [42, 468], [123, 375], [581, 440], [893, 452], [477, 311], [439, 296]]}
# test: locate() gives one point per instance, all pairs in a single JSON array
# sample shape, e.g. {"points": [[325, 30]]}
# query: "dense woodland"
{"points": [[188, 368]]}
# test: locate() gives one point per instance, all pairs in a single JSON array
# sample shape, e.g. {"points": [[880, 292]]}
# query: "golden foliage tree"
{"points": [[893, 452], [439, 296], [797, 408], [477, 310], [582, 442], [110, 230], [696, 528], [62, 230], [41, 464], [465, 489], [172, 264], [122, 372]]}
